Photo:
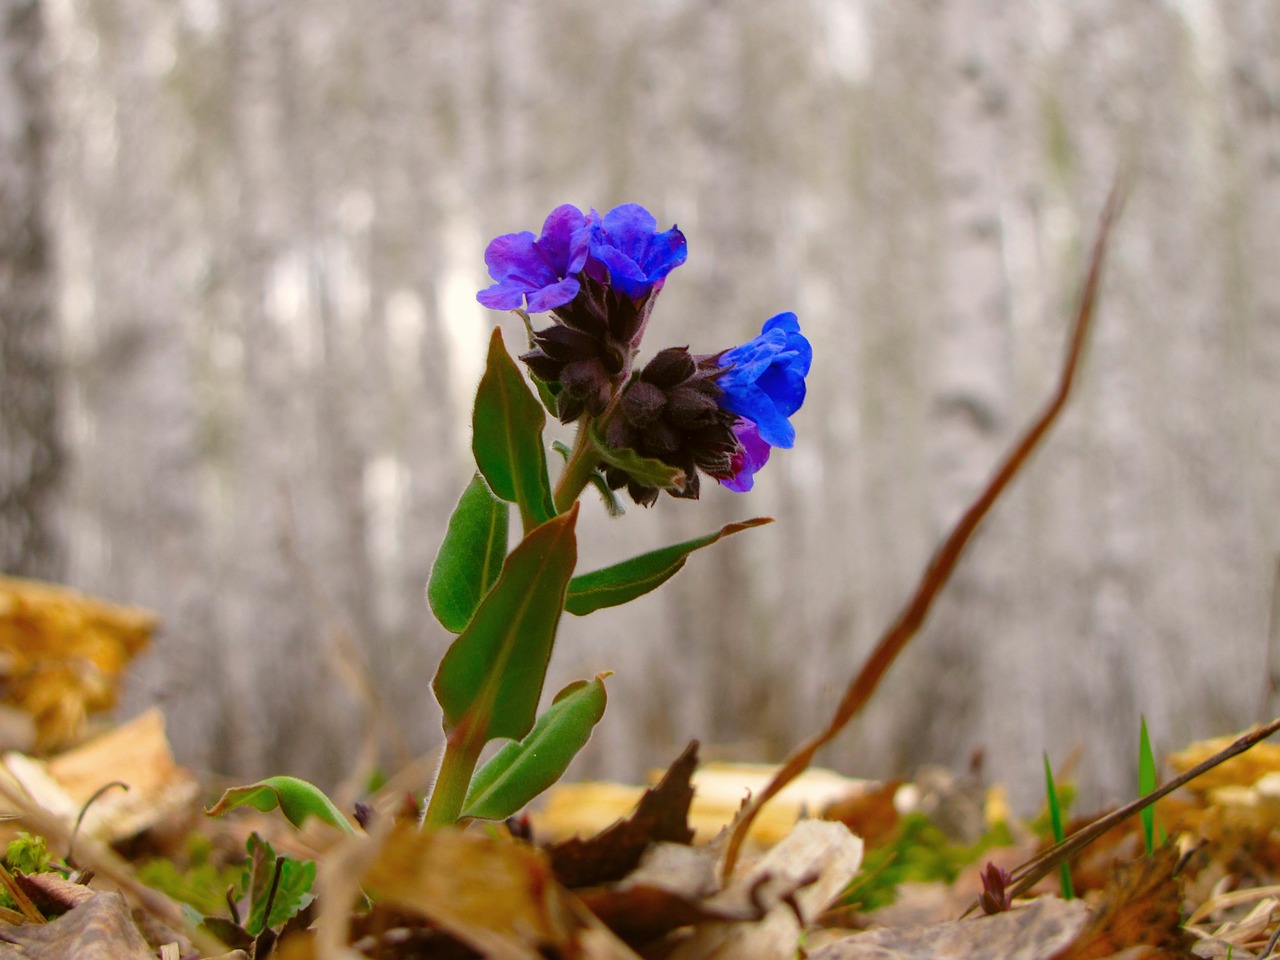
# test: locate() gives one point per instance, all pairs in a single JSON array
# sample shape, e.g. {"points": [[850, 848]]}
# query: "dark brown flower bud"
{"points": [[670, 367], [669, 413], [642, 403]]}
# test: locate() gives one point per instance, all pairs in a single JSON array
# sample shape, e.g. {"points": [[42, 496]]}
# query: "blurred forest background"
{"points": [[240, 242]]}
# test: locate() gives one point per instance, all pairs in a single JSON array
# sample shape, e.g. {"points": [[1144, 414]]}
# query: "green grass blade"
{"points": [[1055, 819], [1147, 784]]}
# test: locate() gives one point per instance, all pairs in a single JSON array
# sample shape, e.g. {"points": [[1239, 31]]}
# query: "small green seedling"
{"points": [[1146, 784], [1055, 819]]}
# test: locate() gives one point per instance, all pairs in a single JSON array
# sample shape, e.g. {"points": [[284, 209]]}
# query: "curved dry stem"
{"points": [[943, 563]]}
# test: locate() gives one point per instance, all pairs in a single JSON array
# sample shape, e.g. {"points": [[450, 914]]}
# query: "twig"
{"points": [[943, 563]]}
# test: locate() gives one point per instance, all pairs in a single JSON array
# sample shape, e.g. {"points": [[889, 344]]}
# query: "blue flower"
{"points": [[543, 271], [764, 382], [753, 455], [630, 255]]}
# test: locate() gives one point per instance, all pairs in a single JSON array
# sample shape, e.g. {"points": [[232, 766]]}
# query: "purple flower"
{"points": [[753, 456], [764, 382], [630, 255], [543, 271]]}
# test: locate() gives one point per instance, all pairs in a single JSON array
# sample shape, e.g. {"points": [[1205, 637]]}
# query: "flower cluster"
{"points": [[599, 277]]}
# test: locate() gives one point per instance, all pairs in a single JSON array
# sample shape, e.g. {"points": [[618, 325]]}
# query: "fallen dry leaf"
{"points": [[1242, 771], [789, 886], [871, 815], [137, 754], [660, 816], [100, 928], [1036, 932], [62, 654], [670, 888], [576, 809], [497, 896]]}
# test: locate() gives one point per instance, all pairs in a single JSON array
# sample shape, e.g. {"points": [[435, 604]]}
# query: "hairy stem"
{"points": [[582, 463], [456, 768]]}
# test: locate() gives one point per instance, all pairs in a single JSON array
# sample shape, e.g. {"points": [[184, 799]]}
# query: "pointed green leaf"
{"points": [[612, 505], [297, 800], [635, 577], [520, 771], [644, 470], [547, 394], [492, 675], [1059, 832], [1146, 784], [470, 557], [506, 437]]}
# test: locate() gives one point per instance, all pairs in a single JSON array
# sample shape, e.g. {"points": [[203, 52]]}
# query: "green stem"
{"points": [[456, 768], [582, 463]]}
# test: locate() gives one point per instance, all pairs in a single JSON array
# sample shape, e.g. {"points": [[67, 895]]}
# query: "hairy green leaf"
{"points": [[297, 799], [644, 470], [633, 578], [470, 557], [612, 505], [520, 771], [506, 437], [492, 675]]}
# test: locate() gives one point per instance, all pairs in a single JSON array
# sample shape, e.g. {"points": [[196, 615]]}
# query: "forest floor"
{"points": [[833, 869]]}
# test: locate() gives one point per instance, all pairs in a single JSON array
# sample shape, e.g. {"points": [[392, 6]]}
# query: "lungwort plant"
{"points": [[641, 427]]}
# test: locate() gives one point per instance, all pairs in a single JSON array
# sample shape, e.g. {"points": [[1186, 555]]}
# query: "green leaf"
{"points": [[612, 505], [1146, 784], [635, 577], [547, 394], [506, 437], [492, 675], [470, 557], [297, 800], [1059, 833], [520, 771], [292, 893], [644, 470]]}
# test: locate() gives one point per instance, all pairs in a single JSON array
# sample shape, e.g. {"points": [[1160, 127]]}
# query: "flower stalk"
{"points": [[461, 753], [578, 469]]}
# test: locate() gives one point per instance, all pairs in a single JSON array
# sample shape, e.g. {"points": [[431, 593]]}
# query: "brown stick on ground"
{"points": [[943, 563]]}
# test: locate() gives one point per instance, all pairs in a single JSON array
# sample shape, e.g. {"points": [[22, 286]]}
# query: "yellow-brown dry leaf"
{"points": [[137, 754], [62, 653], [497, 896], [1141, 907], [1240, 771], [584, 809]]}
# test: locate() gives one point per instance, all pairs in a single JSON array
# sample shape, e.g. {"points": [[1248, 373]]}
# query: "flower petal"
{"points": [[542, 271], [765, 380], [755, 454]]}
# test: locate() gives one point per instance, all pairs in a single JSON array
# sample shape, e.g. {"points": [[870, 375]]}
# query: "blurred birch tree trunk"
{"points": [[270, 220], [31, 449]]}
